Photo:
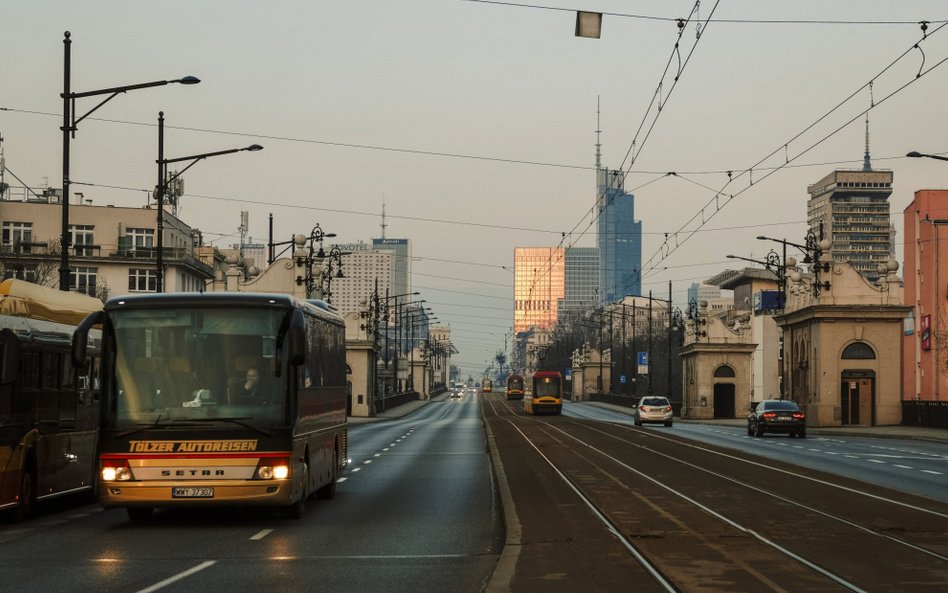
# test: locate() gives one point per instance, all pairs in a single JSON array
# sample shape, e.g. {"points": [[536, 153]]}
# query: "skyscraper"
{"points": [[581, 275], [401, 276], [851, 208], [620, 238], [538, 286]]}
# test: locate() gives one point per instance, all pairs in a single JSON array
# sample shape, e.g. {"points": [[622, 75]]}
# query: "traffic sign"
{"points": [[643, 358], [622, 379]]}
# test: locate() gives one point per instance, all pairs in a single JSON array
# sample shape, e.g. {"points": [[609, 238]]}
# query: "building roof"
{"points": [[730, 279]]}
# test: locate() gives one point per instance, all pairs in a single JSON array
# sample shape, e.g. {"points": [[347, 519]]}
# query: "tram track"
{"points": [[688, 495]]}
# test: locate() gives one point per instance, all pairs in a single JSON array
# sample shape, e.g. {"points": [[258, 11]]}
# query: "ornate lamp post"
{"points": [[306, 255]]}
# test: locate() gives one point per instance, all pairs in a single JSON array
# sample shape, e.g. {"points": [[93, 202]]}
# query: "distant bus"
{"points": [[546, 395], [514, 387], [49, 415], [219, 398], [487, 385]]}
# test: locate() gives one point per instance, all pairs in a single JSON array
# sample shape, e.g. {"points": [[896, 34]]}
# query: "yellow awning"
{"points": [[25, 299]]}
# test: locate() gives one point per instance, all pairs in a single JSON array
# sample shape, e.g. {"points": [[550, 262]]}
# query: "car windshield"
{"points": [[781, 405]]}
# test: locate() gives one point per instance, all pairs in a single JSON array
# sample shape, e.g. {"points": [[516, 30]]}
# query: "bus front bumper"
{"points": [[196, 493]]}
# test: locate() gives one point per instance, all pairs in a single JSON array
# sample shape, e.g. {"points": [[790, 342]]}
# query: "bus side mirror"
{"points": [[296, 338], [10, 353], [80, 338]]}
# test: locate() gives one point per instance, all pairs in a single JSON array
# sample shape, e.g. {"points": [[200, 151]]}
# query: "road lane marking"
{"points": [[377, 455], [875, 461], [355, 469], [177, 577], [368, 461], [343, 479], [902, 466], [261, 534], [928, 471]]}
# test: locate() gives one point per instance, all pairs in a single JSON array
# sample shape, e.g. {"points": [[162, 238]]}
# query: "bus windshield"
{"points": [[515, 383], [185, 365]]}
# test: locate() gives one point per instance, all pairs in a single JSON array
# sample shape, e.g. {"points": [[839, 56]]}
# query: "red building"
{"points": [[925, 339]]}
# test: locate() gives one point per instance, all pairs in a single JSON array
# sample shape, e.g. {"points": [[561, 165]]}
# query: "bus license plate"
{"points": [[192, 493]]}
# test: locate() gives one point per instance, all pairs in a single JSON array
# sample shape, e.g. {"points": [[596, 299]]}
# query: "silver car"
{"points": [[653, 410]]}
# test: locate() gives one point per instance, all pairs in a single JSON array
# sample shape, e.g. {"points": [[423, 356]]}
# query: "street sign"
{"points": [[622, 379], [643, 363], [568, 375]]}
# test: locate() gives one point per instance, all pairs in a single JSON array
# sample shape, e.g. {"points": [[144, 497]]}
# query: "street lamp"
{"points": [[69, 127], [307, 258], [164, 180], [916, 155], [333, 262]]}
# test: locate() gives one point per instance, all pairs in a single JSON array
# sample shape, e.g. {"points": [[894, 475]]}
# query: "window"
{"points": [[724, 371], [84, 280], [142, 280], [859, 350], [140, 238], [19, 235], [82, 237]]}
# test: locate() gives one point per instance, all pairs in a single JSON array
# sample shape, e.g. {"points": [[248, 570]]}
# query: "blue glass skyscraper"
{"points": [[620, 238]]}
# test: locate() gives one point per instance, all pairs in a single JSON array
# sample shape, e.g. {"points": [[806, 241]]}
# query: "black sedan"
{"points": [[777, 415]]}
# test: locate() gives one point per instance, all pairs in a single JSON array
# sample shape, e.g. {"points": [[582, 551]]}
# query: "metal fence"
{"points": [[928, 414]]}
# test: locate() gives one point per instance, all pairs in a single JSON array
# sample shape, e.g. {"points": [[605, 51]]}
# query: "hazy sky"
{"points": [[360, 101]]}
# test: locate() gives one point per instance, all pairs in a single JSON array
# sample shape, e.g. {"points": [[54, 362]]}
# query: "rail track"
{"points": [[700, 518]]}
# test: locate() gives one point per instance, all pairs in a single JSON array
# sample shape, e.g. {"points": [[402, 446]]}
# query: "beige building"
{"points": [[842, 344], [112, 251]]}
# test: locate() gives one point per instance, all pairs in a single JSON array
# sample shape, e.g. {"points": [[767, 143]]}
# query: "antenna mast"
{"points": [[598, 144], [866, 165], [383, 225]]}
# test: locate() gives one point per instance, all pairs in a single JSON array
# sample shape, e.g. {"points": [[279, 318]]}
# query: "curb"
{"points": [[502, 577]]}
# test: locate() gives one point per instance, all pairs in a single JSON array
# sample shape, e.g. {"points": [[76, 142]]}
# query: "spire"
{"points": [[383, 225], [866, 164], [598, 144]]}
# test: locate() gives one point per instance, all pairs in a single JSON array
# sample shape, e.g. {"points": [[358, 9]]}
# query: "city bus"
{"points": [[487, 385], [546, 395], [49, 416], [514, 387], [219, 399]]}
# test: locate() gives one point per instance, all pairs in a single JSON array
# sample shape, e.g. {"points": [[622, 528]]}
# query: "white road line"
{"points": [[368, 461], [875, 461], [262, 534], [177, 577], [355, 469], [902, 466], [928, 471], [377, 455], [385, 449], [343, 479]]}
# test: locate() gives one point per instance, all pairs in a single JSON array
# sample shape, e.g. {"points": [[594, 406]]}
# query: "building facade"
{"points": [[925, 335], [365, 270], [851, 209], [112, 250], [581, 280], [619, 238], [401, 263], [538, 286]]}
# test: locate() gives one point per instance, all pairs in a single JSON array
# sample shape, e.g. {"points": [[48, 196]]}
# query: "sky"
{"points": [[474, 122]]}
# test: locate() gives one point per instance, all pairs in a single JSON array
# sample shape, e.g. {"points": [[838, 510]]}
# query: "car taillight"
{"points": [[116, 470], [799, 415], [769, 415], [668, 408], [273, 469]]}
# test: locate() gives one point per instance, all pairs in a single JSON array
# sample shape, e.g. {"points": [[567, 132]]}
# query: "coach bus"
{"points": [[48, 411], [514, 387], [487, 385], [219, 399], [546, 395]]}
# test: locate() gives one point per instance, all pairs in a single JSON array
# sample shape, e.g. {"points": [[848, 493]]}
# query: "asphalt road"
{"points": [[415, 512], [912, 466]]}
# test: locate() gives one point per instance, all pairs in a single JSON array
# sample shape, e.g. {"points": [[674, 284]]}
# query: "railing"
{"points": [[169, 254], [928, 414]]}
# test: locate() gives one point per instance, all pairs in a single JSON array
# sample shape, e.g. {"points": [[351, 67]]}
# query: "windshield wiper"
{"points": [[143, 426]]}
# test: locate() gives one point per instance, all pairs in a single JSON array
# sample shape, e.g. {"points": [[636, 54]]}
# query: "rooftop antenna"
{"points": [[383, 225], [866, 165]]}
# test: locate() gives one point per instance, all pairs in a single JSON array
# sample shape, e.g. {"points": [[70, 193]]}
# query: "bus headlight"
{"points": [[273, 469], [116, 473]]}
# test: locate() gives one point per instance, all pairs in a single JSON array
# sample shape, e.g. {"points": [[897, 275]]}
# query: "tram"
{"points": [[546, 395]]}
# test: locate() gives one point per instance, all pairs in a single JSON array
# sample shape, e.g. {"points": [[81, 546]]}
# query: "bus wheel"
{"points": [[26, 496], [329, 490], [139, 514], [295, 510]]}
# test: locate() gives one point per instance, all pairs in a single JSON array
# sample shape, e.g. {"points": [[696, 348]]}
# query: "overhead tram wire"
{"points": [[748, 21], [665, 250], [682, 26]]}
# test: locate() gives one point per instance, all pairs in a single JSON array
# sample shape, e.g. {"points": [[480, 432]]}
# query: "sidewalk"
{"points": [[891, 432], [398, 411]]}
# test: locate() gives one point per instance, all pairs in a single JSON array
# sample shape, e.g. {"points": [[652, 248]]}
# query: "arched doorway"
{"points": [[724, 391], [857, 396]]}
